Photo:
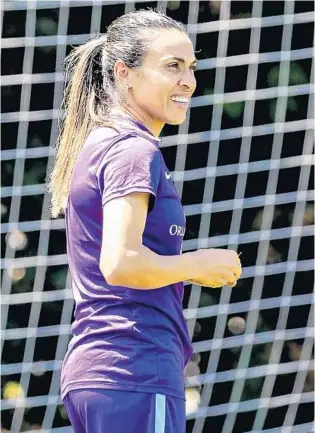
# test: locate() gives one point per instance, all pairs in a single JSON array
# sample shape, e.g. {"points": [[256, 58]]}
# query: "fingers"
{"points": [[238, 264], [232, 284], [224, 269], [237, 272], [229, 278], [214, 284]]}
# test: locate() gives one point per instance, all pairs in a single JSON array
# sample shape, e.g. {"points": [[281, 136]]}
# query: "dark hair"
{"points": [[91, 91]]}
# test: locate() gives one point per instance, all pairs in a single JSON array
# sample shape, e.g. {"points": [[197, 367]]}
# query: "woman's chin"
{"points": [[176, 120]]}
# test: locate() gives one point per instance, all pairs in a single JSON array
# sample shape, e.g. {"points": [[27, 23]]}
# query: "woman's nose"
{"points": [[188, 80]]}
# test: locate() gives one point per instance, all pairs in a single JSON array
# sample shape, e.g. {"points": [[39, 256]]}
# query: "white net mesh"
{"points": [[243, 165]]}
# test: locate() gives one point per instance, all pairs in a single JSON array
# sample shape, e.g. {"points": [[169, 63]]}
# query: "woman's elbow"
{"points": [[122, 270], [111, 272]]}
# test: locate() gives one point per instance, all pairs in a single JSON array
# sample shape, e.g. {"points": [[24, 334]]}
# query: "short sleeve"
{"points": [[133, 164]]}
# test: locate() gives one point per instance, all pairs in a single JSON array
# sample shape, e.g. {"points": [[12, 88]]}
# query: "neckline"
{"points": [[137, 123]]}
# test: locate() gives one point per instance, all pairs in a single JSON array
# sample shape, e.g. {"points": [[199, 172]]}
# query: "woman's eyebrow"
{"points": [[179, 59]]}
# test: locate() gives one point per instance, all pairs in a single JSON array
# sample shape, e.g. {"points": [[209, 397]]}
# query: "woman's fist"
{"points": [[215, 267]]}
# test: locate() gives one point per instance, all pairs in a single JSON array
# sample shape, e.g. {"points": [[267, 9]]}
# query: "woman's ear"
{"points": [[122, 73]]}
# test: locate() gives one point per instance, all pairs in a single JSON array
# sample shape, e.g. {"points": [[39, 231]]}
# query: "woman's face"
{"points": [[160, 90]]}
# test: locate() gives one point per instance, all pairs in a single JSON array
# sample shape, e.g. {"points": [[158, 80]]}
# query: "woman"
{"points": [[124, 368]]}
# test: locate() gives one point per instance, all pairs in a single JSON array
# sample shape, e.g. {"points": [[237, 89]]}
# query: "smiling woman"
{"points": [[124, 367], [167, 75]]}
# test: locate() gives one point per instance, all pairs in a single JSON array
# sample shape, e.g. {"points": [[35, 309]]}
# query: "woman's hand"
{"points": [[216, 267], [199, 283]]}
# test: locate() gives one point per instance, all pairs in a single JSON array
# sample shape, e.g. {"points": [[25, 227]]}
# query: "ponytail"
{"points": [[85, 104]]}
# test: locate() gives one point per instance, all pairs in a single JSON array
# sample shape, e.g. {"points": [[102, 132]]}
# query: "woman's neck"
{"points": [[151, 126]]}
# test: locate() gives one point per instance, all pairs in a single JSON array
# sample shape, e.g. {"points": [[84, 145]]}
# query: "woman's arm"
{"points": [[124, 260]]}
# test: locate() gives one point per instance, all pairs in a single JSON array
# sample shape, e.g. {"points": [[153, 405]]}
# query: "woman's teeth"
{"points": [[181, 99]]}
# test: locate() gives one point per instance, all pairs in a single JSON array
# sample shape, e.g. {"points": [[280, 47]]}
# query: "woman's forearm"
{"points": [[143, 269]]}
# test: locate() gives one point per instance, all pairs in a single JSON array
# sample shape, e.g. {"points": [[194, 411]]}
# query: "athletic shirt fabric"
{"points": [[123, 338]]}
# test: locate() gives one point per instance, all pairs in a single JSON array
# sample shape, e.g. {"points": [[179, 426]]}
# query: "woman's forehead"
{"points": [[168, 43]]}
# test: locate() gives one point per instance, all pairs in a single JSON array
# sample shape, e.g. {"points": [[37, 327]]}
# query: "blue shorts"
{"points": [[115, 411]]}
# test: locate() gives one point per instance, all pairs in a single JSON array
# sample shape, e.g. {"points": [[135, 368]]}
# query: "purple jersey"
{"points": [[127, 339]]}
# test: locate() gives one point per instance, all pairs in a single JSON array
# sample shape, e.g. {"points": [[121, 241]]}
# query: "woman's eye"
{"points": [[174, 65]]}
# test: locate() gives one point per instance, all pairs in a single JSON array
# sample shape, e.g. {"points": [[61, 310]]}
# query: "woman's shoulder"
{"points": [[105, 144], [100, 134], [108, 136]]}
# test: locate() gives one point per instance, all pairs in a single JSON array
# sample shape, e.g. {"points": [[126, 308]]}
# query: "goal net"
{"points": [[243, 166]]}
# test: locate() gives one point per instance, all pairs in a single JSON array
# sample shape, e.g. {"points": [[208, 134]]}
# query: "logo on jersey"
{"points": [[167, 175], [176, 230]]}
